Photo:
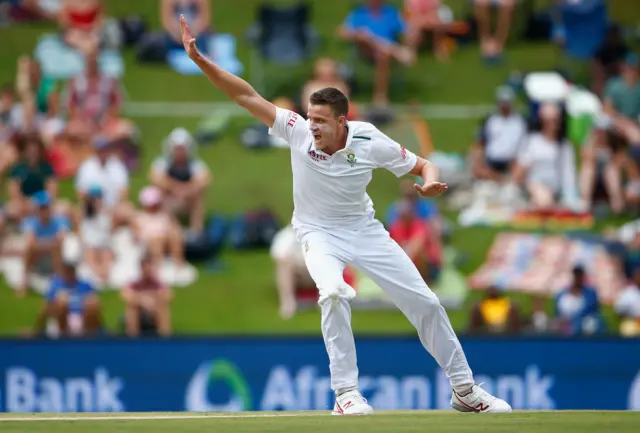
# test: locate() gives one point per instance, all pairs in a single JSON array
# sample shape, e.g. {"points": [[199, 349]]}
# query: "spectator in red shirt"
{"points": [[147, 303], [419, 240], [94, 105]]}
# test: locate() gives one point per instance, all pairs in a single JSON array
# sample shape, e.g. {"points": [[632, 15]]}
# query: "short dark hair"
{"points": [[332, 97]]}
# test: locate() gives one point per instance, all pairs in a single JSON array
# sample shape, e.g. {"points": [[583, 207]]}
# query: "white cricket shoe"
{"points": [[479, 401], [351, 403]]}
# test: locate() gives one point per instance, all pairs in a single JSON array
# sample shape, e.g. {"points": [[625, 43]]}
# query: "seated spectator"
{"points": [[147, 303], [94, 105], [496, 313], [10, 123], [375, 28], [291, 270], [183, 178], [44, 232], [577, 308], [420, 242], [606, 62], [627, 306], [81, 22], [198, 15], [546, 165], [499, 140], [73, 303], [433, 17], [622, 100], [492, 44], [604, 156], [107, 172], [157, 230], [42, 95], [95, 235], [540, 322], [30, 175], [423, 208], [325, 74]]}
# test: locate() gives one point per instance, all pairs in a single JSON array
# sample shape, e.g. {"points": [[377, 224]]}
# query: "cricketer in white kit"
{"points": [[332, 163]]}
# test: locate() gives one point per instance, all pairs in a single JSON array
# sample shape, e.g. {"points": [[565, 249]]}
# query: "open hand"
{"points": [[188, 41], [432, 189]]}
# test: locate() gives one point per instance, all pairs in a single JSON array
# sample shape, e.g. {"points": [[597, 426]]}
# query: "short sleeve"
{"points": [[87, 288], [390, 155], [159, 165], [62, 224], [15, 172], [81, 182], [527, 154], [121, 176], [198, 167], [54, 288], [400, 23], [610, 89], [47, 170], [291, 127], [352, 22]]}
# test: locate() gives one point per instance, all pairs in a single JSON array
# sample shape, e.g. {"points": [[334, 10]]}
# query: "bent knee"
{"points": [[335, 290]]}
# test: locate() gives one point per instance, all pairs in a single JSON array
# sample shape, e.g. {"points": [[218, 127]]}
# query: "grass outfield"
{"points": [[384, 421]]}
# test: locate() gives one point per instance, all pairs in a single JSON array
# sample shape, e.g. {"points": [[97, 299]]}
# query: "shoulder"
{"points": [[591, 291], [31, 220], [614, 84], [519, 118], [160, 163], [85, 286], [359, 11], [198, 165], [46, 167], [117, 165], [17, 170], [89, 164], [363, 131]]}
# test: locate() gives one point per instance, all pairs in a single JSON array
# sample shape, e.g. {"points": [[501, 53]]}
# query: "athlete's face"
{"points": [[324, 125]]}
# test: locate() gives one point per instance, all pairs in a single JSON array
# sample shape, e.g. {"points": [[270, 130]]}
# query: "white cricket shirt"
{"points": [[330, 191]]}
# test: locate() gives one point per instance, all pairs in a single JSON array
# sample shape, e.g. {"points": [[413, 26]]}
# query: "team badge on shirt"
{"points": [[351, 158]]}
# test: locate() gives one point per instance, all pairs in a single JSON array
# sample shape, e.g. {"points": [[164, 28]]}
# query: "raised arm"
{"points": [[236, 88]]}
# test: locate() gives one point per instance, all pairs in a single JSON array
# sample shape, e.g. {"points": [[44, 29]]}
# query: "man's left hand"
{"points": [[432, 189]]}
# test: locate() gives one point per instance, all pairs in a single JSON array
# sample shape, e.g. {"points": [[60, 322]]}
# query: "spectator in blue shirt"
{"points": [[44, 233], [72, 303], [577, 308], [376, 29]]}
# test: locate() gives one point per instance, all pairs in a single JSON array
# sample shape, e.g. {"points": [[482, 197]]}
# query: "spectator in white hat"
{"points": [[499, 139], [183, 178]]}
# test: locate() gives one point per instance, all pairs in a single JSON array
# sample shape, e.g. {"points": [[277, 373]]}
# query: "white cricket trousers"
{"points": [[371, 250]]}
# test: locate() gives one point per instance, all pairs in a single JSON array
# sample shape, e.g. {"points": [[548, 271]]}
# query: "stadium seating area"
{"points": [[124, 172]]}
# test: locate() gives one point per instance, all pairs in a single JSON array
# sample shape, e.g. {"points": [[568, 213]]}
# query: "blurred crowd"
{"points": [[55, 129]]}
